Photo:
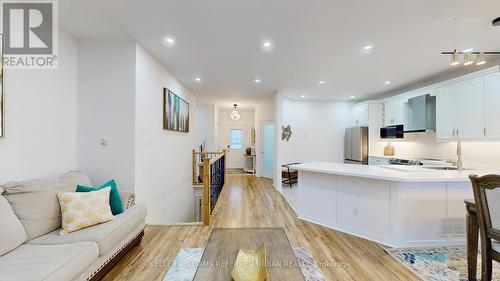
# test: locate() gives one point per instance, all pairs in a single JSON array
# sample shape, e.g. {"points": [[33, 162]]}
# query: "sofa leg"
{"points": [[139, 239]]}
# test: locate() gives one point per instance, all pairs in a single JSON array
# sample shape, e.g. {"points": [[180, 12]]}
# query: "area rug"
{"points": [[438, 264], [186, 262]]}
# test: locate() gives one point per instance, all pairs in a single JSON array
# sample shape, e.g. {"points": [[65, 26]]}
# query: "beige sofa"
{"points": [[31, 247]]}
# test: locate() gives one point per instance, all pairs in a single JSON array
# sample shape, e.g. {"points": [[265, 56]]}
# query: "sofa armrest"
{"points": [[128, 199]]}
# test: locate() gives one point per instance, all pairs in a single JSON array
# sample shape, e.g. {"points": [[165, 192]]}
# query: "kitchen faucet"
{"points": [[459, 163]]}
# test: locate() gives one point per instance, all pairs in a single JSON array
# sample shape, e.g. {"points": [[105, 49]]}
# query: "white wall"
{"points": [[106, 87], [317, 131], [163, 158], [205, 126], [40, 118], [246, 122], [278, 119], [264, 112]]}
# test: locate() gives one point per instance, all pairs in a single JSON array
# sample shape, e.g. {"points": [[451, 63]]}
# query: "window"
{"points": [[236, 138]]}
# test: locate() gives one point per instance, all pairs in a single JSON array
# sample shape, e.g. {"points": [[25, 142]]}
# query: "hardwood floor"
{"points": [[247, 201]]}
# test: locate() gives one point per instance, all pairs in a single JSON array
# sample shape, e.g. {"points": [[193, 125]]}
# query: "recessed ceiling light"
{"points": [[351, 97], [267, 45], [368, 47], [321, 82], [170, 41], [302, 96], [257, 81], [197, 79], [468, 50], [387, 82]]}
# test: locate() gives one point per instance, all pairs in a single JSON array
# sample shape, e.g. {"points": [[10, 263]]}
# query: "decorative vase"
{"points": [[389, 150]]}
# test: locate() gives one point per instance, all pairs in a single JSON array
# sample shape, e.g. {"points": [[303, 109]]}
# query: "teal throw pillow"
{"points": [[115, 202]]}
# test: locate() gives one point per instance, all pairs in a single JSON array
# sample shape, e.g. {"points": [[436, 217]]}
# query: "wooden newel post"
{"points": [[194, 167], [206, 191]]}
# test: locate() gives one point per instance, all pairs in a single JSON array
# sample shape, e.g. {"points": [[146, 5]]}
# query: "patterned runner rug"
{"points": [[439, 264]]}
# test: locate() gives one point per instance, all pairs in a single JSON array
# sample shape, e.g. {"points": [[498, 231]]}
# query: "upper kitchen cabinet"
{"points": [[395, 111], [447, 104], [359, 115], [366, 114], [471, 109], [460, 110], [492, 106]]}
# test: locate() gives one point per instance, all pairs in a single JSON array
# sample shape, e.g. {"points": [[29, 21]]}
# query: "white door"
{"points": [[235, 148], [447, 106], [471, 109], [267, 151], [492, 106]]}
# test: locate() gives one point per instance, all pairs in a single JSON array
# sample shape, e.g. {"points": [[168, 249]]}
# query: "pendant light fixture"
{"points": [[468, 58], [455, 58], [480, 59], [235, 114], [469, 53]]}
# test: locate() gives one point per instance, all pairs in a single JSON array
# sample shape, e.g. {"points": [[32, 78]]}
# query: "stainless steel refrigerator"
{"points": [[356, 145]]}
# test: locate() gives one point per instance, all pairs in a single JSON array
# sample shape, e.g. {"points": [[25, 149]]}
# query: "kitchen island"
{"points": [[417, 208]]}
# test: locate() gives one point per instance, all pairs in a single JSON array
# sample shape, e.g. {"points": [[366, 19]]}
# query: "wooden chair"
{"points": [[487, 199]]}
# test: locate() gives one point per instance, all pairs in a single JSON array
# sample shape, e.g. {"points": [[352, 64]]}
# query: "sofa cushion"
{"points": [[12, 233], [35, 201], [106, 235], [47, 262]]}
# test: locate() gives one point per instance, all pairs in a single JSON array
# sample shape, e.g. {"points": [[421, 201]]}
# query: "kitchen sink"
{"points": [[446, 168]]}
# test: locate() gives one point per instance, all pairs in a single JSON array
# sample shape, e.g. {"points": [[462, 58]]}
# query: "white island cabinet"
{"points": [[395, 208]]}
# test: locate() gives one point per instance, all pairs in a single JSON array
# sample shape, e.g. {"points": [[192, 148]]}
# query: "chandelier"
{"points": [[235, 114]]}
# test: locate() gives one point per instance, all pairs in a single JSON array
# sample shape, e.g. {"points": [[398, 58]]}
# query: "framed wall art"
{"points": [[2, 96], [175, 112]]}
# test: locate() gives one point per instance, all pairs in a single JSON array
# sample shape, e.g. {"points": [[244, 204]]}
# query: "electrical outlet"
{"points": [[103, 141]]}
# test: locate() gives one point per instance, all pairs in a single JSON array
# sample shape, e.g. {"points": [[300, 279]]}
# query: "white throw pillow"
{"points": [[83, 209], [12, 233]]}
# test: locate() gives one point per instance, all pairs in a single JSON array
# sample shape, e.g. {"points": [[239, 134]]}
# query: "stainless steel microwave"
{"points": [[392, 132]]}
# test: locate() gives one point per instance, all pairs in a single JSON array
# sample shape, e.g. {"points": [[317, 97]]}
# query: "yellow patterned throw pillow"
{"points": [[83, 209]]}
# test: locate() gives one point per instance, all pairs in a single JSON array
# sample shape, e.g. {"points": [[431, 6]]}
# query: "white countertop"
{"points": [[381, 173]]}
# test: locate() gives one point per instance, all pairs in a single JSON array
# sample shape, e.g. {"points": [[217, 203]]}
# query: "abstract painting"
{"points": [[175, 112], [2, 109]]}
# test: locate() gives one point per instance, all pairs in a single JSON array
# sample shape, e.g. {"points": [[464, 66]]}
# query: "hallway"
{"points": [[248, 201]]}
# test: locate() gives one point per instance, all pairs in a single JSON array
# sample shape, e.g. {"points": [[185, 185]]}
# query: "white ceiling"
{"points": [[220, 41]]}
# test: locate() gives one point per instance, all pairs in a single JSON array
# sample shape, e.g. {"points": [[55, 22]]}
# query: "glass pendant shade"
{"points": [[468, 59], [455, 58], [480, 59]]}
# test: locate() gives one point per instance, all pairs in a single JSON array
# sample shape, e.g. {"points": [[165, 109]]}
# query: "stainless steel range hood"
{"points": [[421, 115]]}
